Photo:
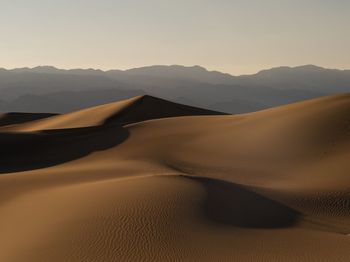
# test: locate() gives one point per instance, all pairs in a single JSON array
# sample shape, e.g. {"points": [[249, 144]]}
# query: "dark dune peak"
{"points": [[149, 107]]}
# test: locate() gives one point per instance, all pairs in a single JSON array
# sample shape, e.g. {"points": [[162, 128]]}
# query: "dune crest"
{"points": [[128, 111]]}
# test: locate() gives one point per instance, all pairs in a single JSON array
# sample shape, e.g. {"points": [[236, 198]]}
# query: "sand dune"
{"points": [[103, 184]]}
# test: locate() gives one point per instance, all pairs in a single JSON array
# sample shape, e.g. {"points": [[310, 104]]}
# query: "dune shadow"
{"points": [[20, 118], [29, 151], [236, 205]]}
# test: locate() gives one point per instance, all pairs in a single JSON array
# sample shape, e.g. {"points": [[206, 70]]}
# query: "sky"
{"points": [[233, 36]]}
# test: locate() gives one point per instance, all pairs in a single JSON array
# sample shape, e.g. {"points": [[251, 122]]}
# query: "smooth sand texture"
{"points": [[99, 185]]}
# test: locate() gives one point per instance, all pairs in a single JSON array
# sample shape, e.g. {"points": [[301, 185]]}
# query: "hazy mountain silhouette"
{"points": [[49, 89], [308, 77], [194, 73], [66, 101]]}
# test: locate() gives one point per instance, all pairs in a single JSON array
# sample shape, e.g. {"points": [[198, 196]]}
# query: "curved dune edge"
{"points": [[267, 186], [128, 111]]}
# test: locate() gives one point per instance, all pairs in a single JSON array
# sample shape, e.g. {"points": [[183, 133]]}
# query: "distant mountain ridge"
{"points": [[49, 89], [172, 70]]}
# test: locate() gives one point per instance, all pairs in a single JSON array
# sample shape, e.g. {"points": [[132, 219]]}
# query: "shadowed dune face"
{"points": [[102, 184], [148, 107], [18, 118], [28, 151], [239, 206]]}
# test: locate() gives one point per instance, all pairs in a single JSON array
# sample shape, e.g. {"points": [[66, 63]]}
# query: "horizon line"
{"points": [[171, 65]]}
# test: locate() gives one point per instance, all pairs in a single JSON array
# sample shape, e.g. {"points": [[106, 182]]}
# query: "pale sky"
{"points": [[234, 36]]}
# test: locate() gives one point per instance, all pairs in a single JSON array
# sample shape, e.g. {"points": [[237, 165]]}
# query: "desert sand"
{"points": [[149, 180]]}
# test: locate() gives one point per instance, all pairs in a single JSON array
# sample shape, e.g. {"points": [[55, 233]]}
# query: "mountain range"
{"points": [[53, 90]]}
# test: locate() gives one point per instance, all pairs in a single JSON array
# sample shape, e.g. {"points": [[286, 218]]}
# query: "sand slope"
{"points": [[101, 185]]}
